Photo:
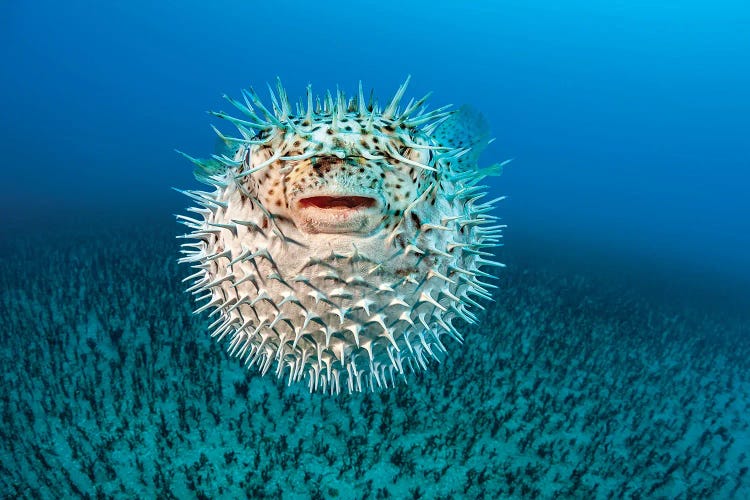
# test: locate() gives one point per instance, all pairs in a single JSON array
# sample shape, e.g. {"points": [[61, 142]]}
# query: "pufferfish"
{"points": [[342, 241]]}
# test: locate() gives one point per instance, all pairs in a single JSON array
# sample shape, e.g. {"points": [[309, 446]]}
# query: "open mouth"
{"points": [[338, 202], [337, 214]]}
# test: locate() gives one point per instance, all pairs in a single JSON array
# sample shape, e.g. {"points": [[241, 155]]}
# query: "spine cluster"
{"points": [[372, 330]]}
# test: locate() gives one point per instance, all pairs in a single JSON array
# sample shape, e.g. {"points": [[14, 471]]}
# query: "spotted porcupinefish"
{"points": [[342, 241]]}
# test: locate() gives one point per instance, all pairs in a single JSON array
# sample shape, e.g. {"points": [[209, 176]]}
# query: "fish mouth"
{"points": [[338, 202], [337, 213]]}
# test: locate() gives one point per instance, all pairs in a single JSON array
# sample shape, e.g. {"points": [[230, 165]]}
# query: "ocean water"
{"points": [[612, 363]]}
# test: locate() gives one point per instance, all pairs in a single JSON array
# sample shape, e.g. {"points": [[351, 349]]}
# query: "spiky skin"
{"points": [[341, 242]]}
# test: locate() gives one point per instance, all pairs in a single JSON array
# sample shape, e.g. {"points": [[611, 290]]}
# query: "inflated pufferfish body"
{"points": [[341, 240]]}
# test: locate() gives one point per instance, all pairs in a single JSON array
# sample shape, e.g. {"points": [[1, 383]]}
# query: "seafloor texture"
{"points": [[111, 388]]}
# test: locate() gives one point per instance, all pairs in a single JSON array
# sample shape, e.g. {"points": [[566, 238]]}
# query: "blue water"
{"points": [[627, 120]]}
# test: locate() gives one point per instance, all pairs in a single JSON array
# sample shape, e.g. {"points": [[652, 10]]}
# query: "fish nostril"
{"points": [[330, 161], [319, 162]]}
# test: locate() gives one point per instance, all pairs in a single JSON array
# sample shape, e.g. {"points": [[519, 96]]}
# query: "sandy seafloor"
{"points": [[570, 387]]}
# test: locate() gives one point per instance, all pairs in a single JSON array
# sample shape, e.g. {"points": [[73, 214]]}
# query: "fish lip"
{"points": [[337, 212], [337, 202]]}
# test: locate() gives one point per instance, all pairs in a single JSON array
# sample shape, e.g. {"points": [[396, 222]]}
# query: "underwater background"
{"points": [[613, 362]]}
